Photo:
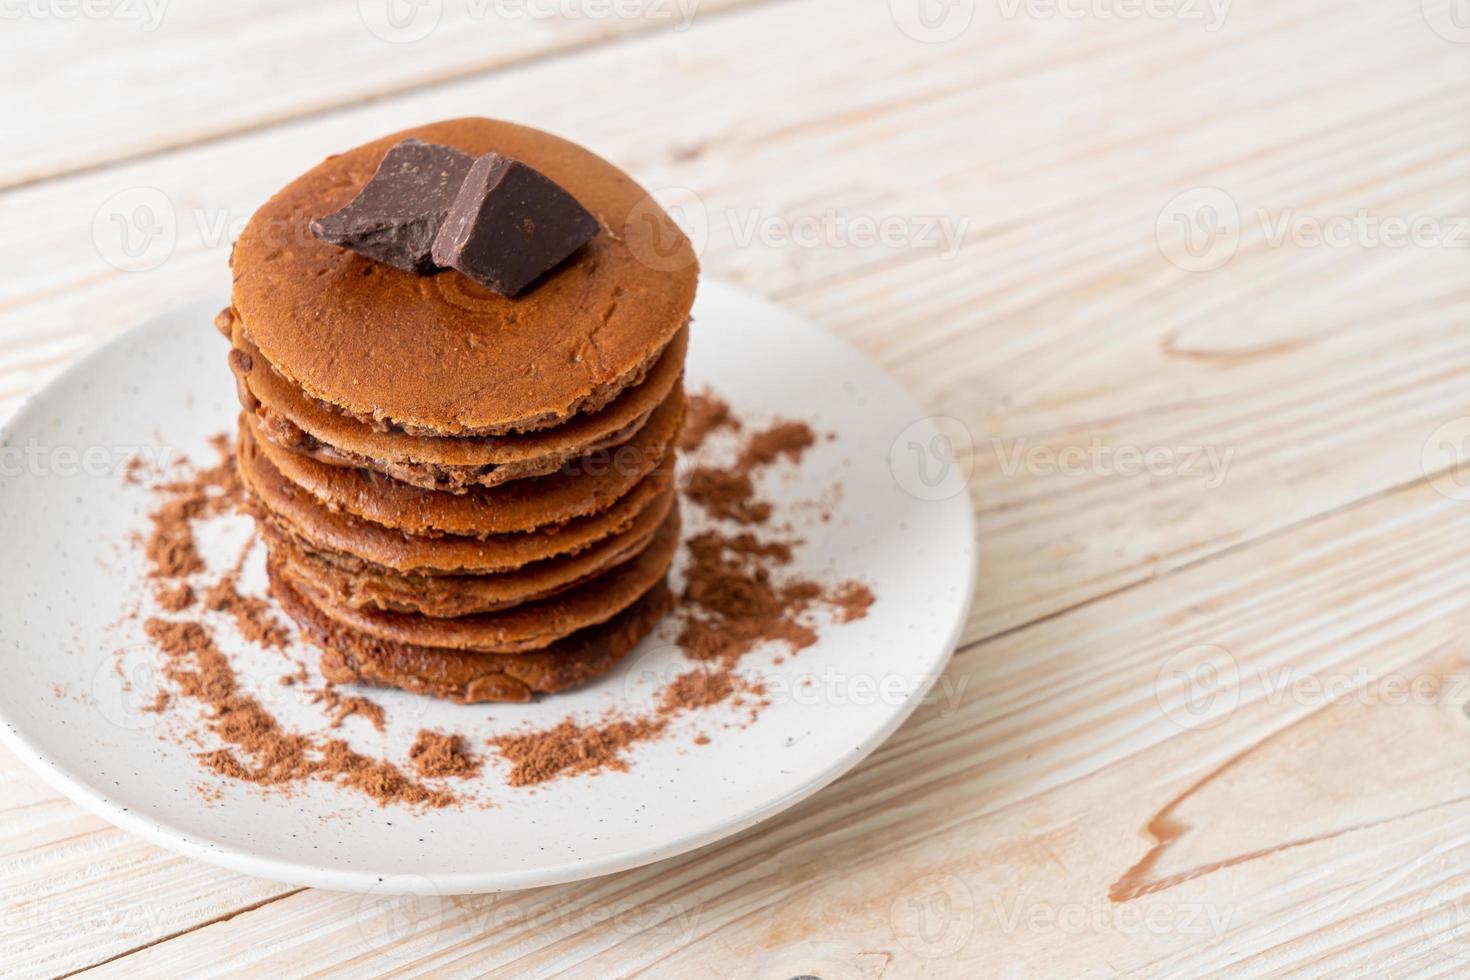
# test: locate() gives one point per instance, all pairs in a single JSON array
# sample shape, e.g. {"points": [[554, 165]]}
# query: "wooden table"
{"points": [[1191, 278]]}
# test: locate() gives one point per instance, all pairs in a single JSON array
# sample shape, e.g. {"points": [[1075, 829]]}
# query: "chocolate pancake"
{"points": [[584, 486], [358, 584], [297, 512], [349, 657], [442, 355], [531, 626], [305, 425]]}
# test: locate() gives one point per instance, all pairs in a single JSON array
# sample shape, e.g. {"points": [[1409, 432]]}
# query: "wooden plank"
{"points": [[78, 891], [194, 72], [1070, 813]]}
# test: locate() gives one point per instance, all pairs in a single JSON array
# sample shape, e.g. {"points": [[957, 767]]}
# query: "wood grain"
{"points": [[199, 71], [1172, 467]]}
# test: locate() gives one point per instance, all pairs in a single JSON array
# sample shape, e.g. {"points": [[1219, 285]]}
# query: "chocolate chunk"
{"points": [[510, 225], [396, 216]]}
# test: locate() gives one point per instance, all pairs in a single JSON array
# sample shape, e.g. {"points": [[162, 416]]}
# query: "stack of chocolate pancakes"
{"points": [[464, 494]]}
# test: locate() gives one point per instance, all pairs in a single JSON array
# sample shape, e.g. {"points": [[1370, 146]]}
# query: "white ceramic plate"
{"points": [[77, 670]]}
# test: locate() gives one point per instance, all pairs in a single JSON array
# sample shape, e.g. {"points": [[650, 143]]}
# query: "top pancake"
{"points": [[441, 355]]}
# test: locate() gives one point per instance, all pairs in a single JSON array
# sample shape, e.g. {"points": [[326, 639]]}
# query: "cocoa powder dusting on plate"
{"points": [[728, 492], [252, 615], [570, 748], [437, 755], [170, 547], [256, 748], [704, 413], [174, 598], [341, 707]]}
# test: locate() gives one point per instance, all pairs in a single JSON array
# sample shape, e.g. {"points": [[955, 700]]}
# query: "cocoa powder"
{"points": [[171, 551], [256, 748], [341, 707], [175, 598], [704, 413], [570, 749], [252, 615], [436, 755], [728, 493]]}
